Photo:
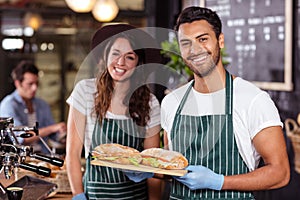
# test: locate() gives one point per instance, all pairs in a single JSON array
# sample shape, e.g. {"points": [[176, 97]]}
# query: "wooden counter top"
{"points": [[61, 196]]}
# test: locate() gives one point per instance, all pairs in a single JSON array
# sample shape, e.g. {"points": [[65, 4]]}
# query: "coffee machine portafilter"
{"points": [[13, 155]]}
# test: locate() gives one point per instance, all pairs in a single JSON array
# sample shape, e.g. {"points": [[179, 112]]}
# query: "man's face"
{"points": [[200, 49], [28, 87]]}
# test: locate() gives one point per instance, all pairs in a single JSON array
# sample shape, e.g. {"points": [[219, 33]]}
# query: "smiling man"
{"points": [[222, 124]]}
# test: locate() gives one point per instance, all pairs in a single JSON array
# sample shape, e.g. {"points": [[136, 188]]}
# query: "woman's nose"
{"points": [[121, 60]]}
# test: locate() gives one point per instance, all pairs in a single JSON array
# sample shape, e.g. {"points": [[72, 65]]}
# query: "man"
{"points": [[223, 124], [26, 109]]}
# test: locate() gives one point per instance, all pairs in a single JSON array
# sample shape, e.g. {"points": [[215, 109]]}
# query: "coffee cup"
{"points": [[14, 193]]}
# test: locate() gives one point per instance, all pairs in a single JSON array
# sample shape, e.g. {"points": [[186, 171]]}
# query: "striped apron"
{"points": [[109, 183], [208, 141]]}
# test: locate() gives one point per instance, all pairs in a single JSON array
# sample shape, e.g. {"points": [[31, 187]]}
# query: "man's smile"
{"points": [[198, 59]]}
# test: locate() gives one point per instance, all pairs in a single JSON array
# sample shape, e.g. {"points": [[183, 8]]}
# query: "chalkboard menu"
{"points": [[258, 35]]}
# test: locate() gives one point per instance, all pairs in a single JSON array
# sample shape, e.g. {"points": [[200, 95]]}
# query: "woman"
{"points": [[114, 108]]}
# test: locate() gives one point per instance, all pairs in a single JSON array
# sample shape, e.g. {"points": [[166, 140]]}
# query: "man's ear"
{"points": [[221, 40], [17, 83]]}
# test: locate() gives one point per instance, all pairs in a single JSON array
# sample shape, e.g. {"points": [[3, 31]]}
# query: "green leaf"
{"points": [[153, 161], [134, 161]]}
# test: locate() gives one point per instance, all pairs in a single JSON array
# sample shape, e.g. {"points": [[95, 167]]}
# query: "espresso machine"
{"points": [[13, 154]]}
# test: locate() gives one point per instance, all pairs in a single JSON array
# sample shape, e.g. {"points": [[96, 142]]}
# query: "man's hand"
{"points": [[200, 177], [60, 127]]}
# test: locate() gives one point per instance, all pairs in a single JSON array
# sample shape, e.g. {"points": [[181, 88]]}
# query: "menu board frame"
{"points": [[287, 83]]}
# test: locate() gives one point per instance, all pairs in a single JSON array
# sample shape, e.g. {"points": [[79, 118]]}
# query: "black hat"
{"points": [[146, 41]]}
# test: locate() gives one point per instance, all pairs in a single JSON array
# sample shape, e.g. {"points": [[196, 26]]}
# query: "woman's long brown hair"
{"points": [[138, 108]]}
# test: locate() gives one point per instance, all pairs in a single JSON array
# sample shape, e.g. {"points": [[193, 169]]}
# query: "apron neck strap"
{"points": [[184, 98], [228, 89], [229, 92]]}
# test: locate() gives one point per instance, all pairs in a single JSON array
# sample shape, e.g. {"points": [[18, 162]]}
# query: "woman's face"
{"points": [[121, 60]]}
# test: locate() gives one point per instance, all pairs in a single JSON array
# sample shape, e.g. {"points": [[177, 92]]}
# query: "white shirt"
{"points": [[82, 99], [253, 110]]}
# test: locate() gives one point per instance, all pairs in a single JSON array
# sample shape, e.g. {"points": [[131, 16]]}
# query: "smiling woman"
{"points": [[119, 108]]}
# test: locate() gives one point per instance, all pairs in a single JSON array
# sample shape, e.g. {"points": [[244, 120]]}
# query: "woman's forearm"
{"points": [[74, 175]]}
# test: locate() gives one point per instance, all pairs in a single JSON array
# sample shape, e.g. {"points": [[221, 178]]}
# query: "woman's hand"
{"points": [[138, 176]]}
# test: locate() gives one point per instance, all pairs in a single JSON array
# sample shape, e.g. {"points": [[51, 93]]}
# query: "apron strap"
{"points": [[184, 98], [229, 92], [228, 100]]}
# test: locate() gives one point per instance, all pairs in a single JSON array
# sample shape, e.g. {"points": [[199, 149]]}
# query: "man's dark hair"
{"points": [[194, 13], [23, 67]]}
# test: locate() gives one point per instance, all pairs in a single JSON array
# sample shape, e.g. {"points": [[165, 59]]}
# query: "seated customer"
{"points": [[26, 109]]}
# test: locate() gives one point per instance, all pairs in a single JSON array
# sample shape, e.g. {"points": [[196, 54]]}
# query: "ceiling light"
{"points": [[12, 43], [28, 31], [65, 31], [33, 20], [81, 6], [105, 10]]}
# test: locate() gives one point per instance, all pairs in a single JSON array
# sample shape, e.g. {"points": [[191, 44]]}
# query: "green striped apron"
{"points": [[109, 183], [208, 141]]}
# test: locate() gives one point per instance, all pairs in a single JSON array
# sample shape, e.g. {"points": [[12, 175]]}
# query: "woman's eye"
{"points": [[130, 57], [115, 54]]}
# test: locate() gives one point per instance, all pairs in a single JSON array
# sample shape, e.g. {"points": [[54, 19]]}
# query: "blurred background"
{"points": [[56, 35]]}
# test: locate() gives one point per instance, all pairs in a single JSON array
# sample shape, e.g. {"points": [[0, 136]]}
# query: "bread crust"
{"points": [[154, 157], [117, 153], [163, 158]]}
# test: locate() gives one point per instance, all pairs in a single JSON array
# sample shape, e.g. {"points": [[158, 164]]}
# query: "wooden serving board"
{"points": [[142, 168]]}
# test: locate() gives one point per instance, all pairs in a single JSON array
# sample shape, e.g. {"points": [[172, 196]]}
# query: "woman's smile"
{"points": [[119, 71]]}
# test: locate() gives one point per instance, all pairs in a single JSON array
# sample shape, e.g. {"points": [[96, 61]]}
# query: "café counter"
{"points": [[54, 196]]}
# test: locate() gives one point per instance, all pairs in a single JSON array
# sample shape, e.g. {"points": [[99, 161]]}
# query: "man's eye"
{"points": [[31, 84], [202, 39], [185, 44]]}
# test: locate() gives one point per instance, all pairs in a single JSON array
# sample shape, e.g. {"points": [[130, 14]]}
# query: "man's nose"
{"points": [[34, 87], [195, 48]]}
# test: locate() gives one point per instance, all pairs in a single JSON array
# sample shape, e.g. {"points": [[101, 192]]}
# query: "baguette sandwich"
{"points": [[117, 153], [164, 159]]}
